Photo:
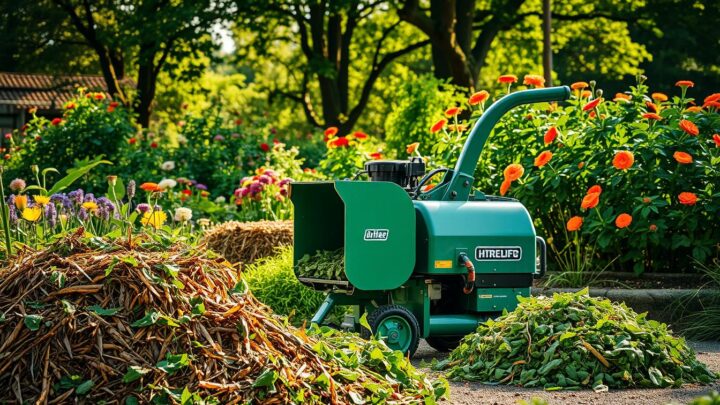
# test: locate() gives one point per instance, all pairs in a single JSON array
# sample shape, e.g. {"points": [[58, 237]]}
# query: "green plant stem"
{"points": [[5, 219]]}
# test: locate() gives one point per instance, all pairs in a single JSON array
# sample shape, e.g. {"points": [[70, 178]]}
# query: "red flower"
{"points": [[712, 97], [689, 127], [507, 79], [339, 142], [56, 121], [652, 107], [70, 105], [685, 83], [543, 158], [8, 135], [589, 106], [330, 132], [376, 155], [154, 145], [550, 135], [452, 111], [716, 139], [265, 147], [99, 96], [187, 191], [438, 125], [687, 198], [505, 186], [7, 157], [594, 189], [479, 97], [132, 141], [359, 135]]}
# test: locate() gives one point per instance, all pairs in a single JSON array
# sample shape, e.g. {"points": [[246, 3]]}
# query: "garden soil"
{"points": [[463, 393]]}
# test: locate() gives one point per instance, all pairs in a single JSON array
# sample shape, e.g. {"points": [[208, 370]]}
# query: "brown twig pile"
{"points": [[245, 242], [86, 320]]}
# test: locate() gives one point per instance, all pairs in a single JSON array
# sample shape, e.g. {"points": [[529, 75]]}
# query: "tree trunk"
{"points": [[146, 92], [547, 43]]}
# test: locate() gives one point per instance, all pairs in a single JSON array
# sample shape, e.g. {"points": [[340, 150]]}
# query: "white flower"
{"points": [[220, 200], [203, 222], [167, 184], [183, 214], [182, 140], [167, 166]]}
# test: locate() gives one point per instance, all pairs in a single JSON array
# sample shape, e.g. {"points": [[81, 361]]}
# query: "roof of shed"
{"points": [[25, 90]]}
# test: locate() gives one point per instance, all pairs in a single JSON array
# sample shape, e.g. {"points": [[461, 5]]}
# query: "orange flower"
{"points": [[513, 172], [457, 128], [438, 125], [685, 83], [708, 104], [652, 107], [534, 80], [659, 97], [716, 139], [589, 106], [586, 94], [683, 158], [689, 127], [646, 200], [543, 158], [505, 186], [479, 97], [550, 135], [595, 189], [574, 224], [652, 228], [652, 116], [376, 156], [687, 198], [330, 132], [412, 147], [581, 165], [694, 109], [623, 160], [150, 187], [621, 97], [590, 201], [507, 79], [712, 97], [452, 111], [579, 85], [623, 220]]}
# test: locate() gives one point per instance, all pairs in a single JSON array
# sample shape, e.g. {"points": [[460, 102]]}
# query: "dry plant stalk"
{"points": [[122, 316], [245, 242]]}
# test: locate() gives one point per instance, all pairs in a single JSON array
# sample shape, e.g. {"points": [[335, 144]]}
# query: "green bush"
{"points": [[417, 105], [273, 282]]}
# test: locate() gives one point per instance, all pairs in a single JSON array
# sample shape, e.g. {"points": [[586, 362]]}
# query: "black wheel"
{"points": [[443, 343], [397, 326]]}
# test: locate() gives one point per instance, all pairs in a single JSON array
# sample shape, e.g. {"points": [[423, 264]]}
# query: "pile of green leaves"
{"points": [[573, 341], [272, 281], [324, 264], [359, 356]]}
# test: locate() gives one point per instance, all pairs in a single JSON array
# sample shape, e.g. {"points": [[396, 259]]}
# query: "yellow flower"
{"points": [[41, 200], [21, 202], [32, 214], [156, 219], [90, 206]]}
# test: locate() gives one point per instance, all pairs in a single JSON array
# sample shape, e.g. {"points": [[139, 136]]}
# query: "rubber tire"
{"points": [[382, 312], [443, 343]]}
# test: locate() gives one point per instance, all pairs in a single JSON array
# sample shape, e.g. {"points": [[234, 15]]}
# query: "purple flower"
{"points": [[77, 196], [131, 189], [51, 215], [89, 197], [201, 186], [255, 188], [64, 201], [12, 210], [265, 179], [219, 138], [105, 208], [244, 191], [284, 181], [270, 172], [143, 208], [83, 214]]}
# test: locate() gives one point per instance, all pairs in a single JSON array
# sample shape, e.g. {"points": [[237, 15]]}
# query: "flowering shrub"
{"points": [[264, 196], [91, 126], [346, 155], [632, 179]]}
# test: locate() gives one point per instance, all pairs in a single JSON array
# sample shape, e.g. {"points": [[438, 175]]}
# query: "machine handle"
{"points": [[460, 183], [542, 248]]}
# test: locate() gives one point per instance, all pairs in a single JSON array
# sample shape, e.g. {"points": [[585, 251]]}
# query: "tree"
{"points": [[144, 37], [328, 34], [462, 32]]}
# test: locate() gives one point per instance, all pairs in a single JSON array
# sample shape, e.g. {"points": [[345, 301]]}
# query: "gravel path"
{"points": [[477, 393]]}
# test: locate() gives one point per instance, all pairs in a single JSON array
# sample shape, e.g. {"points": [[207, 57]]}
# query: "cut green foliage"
{"points": [[325, 265], [573, 341], [273, 282]]}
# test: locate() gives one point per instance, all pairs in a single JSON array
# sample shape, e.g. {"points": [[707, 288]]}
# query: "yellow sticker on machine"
{"points": [[485, 296], [443, 264]]}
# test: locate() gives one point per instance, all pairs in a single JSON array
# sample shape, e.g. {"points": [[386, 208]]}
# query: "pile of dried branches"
{"points": [[245, 242], [90, 320]]}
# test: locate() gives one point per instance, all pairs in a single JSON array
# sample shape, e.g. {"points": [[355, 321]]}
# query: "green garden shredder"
{"points": [[429, 264]]}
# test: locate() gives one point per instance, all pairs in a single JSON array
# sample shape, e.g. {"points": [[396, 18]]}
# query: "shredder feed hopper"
{"points": [[429, 264]]}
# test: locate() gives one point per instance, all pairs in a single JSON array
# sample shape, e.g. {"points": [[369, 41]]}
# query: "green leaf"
{"points": [[103, 311], [173, 362], [364, 322], [119, 191], [134, 373], [32, 322], [74, 174], [85, 387], [150, 318], [68, 307], [266, 379]]}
